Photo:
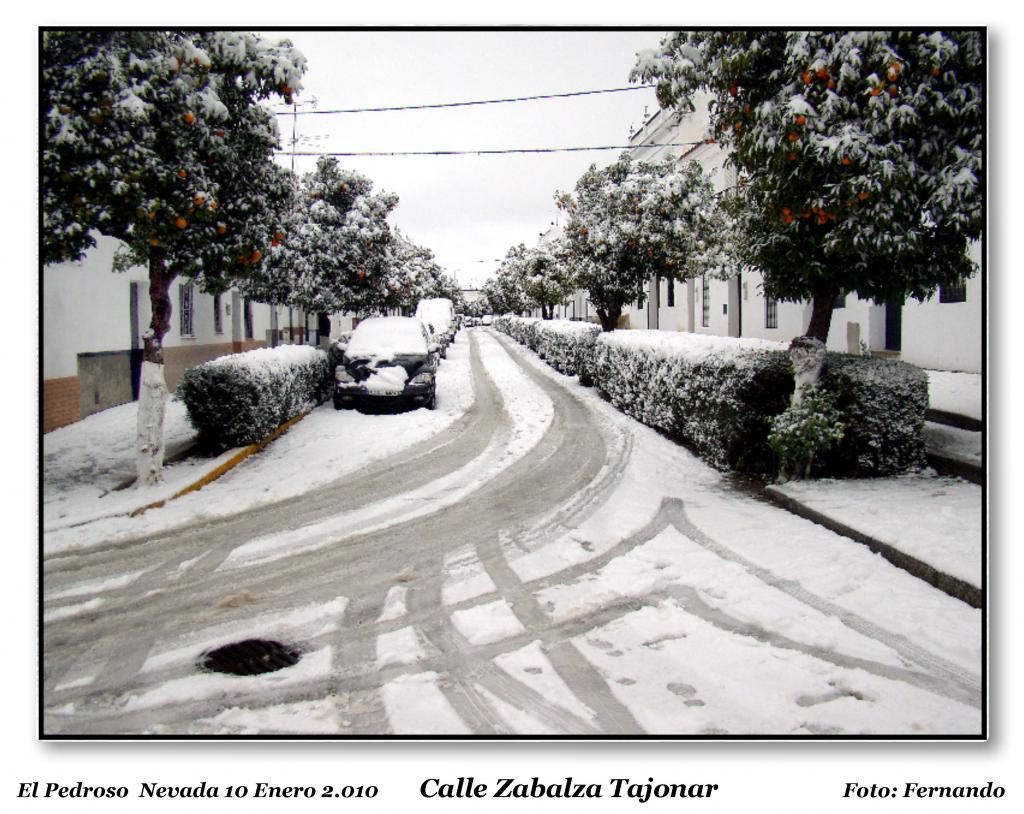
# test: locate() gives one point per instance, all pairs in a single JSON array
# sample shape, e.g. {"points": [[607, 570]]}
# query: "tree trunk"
{"points": [[609, 317], [323, 325], [149, 443], [821, 314]]}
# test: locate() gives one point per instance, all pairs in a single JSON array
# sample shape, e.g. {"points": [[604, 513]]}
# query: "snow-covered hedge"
{"points": [[720, 394], [568, 346], [242, 398], [715, 393], [882, 404]]}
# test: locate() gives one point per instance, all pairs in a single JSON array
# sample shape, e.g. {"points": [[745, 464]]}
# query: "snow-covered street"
{"points": [[525, 560]]}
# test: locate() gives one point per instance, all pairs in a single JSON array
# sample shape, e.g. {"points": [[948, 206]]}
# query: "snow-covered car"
{"points": [[388, 361], [438, 314], [486, 319]]}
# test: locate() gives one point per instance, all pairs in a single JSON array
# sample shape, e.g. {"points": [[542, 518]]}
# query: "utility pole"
{"points": [[294, 143]]}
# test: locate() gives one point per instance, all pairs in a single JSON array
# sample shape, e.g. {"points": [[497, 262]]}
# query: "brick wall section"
{"points": [[60, 402], [181, 357], [178, 359]]}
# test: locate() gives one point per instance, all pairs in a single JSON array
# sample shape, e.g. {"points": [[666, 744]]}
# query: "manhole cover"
{"points": [[251, 657]]}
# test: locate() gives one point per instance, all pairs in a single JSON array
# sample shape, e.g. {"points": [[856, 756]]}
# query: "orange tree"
{"points": [[334, 252], [157, 139], [860, 153], [634, 220]]}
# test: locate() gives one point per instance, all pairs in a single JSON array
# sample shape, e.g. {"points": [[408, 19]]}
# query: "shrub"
{"points": [[714, 393], [803, 432], [720, 395], [882, 403], [242, 398]]}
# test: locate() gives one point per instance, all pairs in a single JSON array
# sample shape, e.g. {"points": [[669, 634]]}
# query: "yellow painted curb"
{"points": [[228, 465]]}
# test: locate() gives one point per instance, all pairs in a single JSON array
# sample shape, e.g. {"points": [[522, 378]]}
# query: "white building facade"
{"points": [[93, 319]]}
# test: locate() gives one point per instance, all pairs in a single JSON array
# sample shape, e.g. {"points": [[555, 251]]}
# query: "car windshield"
{"points": [[387, 338]]}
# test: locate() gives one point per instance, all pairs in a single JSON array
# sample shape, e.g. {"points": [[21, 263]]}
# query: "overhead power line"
{"points": [[520, 150], [462, 104]]}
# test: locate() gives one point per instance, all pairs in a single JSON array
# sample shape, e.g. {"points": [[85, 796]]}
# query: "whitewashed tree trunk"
{"points": [[149, 444], [149, 449], [808, 357]]}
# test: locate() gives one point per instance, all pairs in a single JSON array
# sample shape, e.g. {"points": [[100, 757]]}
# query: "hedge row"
{"points": [[242, 398], [719, 394], [568, 346]]}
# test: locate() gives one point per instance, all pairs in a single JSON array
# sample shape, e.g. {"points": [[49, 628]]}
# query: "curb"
{"points": [[955, 587], [956, 468], [961, 422], [227, 466]]}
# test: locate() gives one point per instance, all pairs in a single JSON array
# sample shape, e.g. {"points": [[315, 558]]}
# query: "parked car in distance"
{"points": [[438, 314], [486, 319], [388, 362]]}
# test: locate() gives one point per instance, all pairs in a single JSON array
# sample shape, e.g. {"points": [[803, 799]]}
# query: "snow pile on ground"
{"points": [[958, 393], [83, 462], [933, 519], [84, 458]]}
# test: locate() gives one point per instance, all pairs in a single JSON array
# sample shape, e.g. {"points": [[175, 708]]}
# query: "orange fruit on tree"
{"points": [[893, 90], [732, 89], [198, 200], [936, 71], [792, 156], [822, 73], [801, 119], [793, 136], [188, 118], [278, 235], [256, 255], [154, 242], [181, 223], [807, 77], [863, 195], [877, 89], [219, 133], [182, 174], [846, 161], [831, 84], [222, 229]]}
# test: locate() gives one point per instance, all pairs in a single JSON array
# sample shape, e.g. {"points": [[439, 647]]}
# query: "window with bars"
{"points": [[186, 298], [705, 301], [671, 299], [771, 313], [953, 293], [840, 301], [218, 319], [247, 313]]}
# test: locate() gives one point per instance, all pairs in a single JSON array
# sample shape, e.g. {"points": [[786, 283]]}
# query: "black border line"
{"points": [[669, 738]]}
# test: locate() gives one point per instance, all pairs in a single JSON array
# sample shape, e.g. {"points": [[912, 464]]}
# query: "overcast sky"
{"points": [[469, 209]]}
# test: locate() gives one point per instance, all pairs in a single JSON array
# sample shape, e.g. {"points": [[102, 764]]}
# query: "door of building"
{"points": [[894, 325]]}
